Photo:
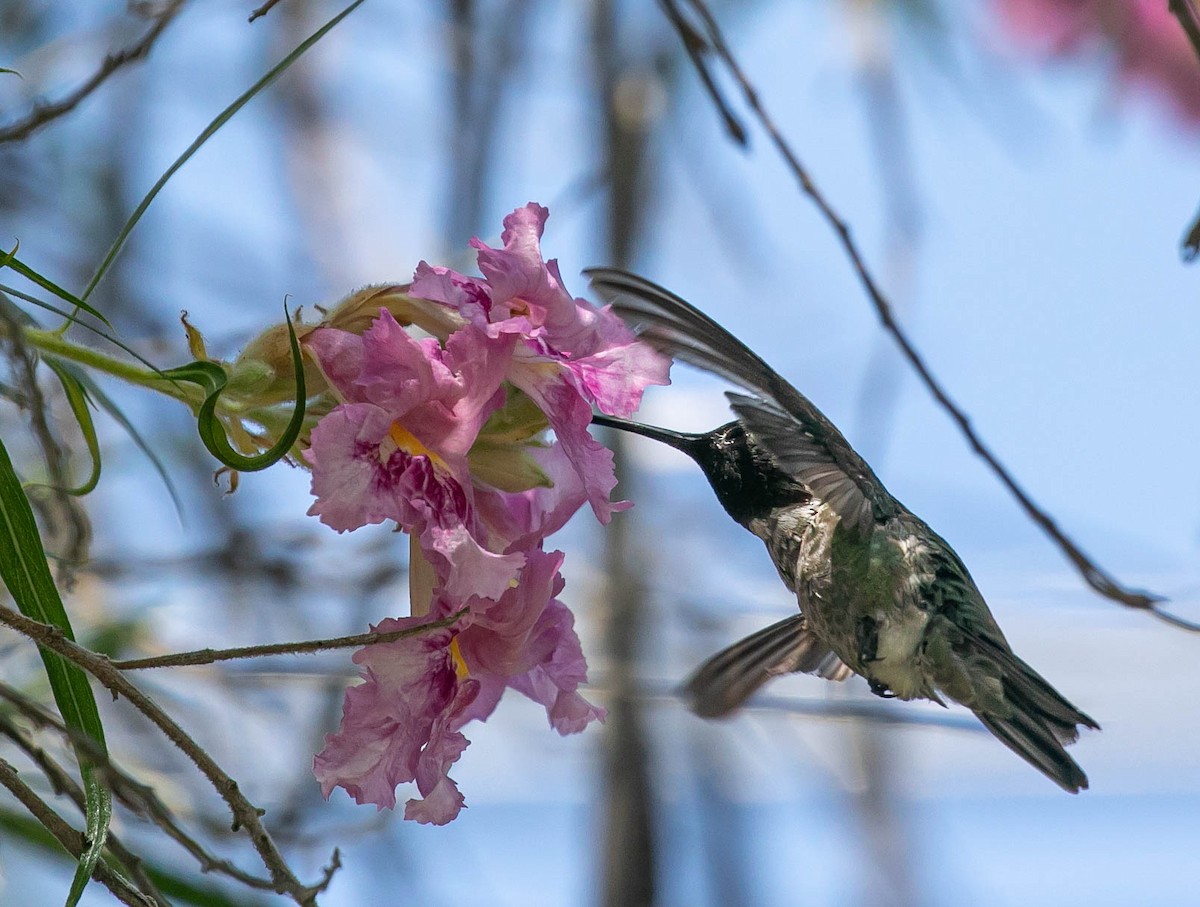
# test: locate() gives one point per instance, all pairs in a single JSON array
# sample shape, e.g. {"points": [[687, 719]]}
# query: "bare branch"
{"points": [[1096, 577], [73, 841], [245, 815], [61, 782], [262, 10], [140, 799], [210, 656], [43, 113]]}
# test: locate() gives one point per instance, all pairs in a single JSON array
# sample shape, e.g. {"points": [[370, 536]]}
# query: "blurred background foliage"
{"points": [[1018, 172]]}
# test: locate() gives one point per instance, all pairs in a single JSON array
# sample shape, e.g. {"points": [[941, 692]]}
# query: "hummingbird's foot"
{"points": [[880, 689], [867, 634]]}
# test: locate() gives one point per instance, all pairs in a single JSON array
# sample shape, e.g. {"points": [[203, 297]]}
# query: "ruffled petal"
{"points": [[408, 703], [465, 567], [352, 484], [570, 415], [554, 680]]}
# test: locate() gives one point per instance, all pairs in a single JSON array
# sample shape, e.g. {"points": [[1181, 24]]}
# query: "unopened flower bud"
{"points": [[264, 372], [358, 311]]}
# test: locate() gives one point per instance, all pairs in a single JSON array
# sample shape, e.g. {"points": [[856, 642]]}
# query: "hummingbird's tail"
{"points": [[728, 679], [1035, 721]]}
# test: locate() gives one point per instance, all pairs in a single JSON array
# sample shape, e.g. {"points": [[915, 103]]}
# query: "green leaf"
{"points": [[24, 571], [11, 261], [170, 882], [209, 131], [109, 405], [212, 379], [12, 72], [77, 397]]}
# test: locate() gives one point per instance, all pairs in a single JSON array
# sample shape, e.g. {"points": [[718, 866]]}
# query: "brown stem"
{"points": [[43, 113], [62, 783], [138, 798], [210, 656], [262, 10], [1095, 576], [245, 815], [72, 840]]}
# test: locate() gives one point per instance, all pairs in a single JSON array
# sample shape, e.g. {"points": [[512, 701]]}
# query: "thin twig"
{"points": [[1101, 581], [210, 656], [42, 112], [262, 10], [139, 798], [245, 815], [62, 783], [72, 840]]}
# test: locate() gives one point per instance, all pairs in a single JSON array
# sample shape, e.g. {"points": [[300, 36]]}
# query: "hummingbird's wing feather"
{"points": [[728, 679], [801, 456], [787, 424]]}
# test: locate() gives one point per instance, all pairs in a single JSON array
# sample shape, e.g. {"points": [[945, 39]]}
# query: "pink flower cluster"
{"points": [[415, 416], [1149, 47]]}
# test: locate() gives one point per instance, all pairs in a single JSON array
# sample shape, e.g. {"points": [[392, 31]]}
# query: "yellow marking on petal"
{"points": [[513, 583], [408, 442], [519, 306], [460, 666]]}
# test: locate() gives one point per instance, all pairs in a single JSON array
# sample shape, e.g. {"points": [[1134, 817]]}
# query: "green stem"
{"points": [[56, 345]]}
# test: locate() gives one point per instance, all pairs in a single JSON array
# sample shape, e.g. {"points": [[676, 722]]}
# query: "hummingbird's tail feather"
{"points": [[728, 679], [1033, 740], [1032, 718], [1029, 692]]}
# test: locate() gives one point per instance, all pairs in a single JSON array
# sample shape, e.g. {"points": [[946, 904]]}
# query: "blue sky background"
{"points": [[1045, 290]]}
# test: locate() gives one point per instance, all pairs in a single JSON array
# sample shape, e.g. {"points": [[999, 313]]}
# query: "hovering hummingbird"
{"points": [[880, 593]]}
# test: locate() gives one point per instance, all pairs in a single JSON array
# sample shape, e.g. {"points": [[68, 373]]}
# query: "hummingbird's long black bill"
{"points": [[683, 441]]}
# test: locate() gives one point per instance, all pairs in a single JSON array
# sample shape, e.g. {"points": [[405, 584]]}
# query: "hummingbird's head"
{"points": [[745, 478]]}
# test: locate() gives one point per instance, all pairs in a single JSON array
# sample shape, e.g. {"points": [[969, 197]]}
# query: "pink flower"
{"points": [[401, 724], [526, 640], [518, 355], [397, 448], [1148, 46], [571, 354]]}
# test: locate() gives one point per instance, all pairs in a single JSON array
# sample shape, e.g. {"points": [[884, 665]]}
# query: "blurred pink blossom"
{"points": [[1149, 48]]}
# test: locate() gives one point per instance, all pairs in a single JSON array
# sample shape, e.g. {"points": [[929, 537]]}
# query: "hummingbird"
{"points": [[880, 594]]}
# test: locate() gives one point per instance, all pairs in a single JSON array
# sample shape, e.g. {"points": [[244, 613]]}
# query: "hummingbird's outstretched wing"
{"points": [[726, 680], [802, 440]]}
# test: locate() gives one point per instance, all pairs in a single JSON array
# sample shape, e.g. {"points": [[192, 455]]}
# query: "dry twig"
{"points": [[138, 798], [62, 783], [245, 815], [210, 656], [44, 112], [708, 33], [71, 839], [262, 10]]}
